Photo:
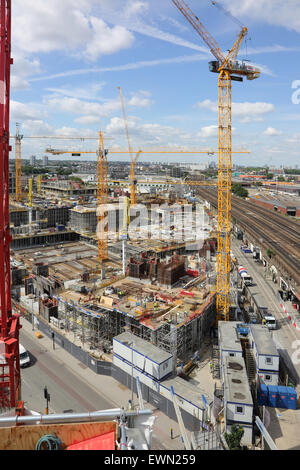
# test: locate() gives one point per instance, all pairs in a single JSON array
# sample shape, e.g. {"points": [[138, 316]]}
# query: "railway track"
{"points": [[275, 231]]}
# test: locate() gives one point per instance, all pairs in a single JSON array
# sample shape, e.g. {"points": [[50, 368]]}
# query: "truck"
{"points": [[245, 276]]}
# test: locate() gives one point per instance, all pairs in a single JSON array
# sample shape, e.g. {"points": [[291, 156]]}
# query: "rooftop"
{"points": [[236, 386], [228, 336], [143, 347], [263, 340]]}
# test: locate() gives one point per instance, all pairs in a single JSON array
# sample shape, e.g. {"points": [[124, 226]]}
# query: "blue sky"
{"points": [[70, 56]]}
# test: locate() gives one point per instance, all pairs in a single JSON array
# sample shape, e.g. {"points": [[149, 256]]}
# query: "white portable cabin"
{"points": [[238, 403], [265, 353], [189, 397], [143, 355], [229, 341]]}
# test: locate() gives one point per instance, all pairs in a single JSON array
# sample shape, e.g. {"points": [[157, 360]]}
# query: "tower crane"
{"points": [[102, 193], [229, 68], [18, 151], [102, 200], [132, 158]]}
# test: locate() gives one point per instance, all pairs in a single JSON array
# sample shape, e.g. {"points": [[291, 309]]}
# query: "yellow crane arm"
{"points": [[232, 55], [199, 27], [125, 121]]}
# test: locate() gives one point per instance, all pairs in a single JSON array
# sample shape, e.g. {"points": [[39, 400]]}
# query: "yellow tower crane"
{"points": [[102, 201], [18, 154], [133, 159], [102, 194], [229, 68]]}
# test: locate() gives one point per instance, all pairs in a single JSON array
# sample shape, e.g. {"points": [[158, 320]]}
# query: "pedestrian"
{"points": [[171, 432]]}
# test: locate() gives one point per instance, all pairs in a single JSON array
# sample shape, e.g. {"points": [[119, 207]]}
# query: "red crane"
{"points": [[10, 381]]}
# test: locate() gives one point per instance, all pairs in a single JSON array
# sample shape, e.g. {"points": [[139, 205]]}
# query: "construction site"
{"points": [[142, 280]]}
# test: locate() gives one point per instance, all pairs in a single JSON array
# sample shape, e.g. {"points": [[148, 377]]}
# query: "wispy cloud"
{"points": [[118, 68]]}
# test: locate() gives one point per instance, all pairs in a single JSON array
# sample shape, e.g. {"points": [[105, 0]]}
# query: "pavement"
{"points": [[114, 392]]}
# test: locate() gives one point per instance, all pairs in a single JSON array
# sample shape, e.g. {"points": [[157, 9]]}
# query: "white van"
{"points": [[24, 357], [270, 321]]}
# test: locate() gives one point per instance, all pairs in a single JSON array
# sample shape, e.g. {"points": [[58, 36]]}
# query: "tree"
{"points": [[234, 438], [239, 190]]}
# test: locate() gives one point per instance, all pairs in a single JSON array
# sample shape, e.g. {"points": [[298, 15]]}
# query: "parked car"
{"points": [[24, 356]]}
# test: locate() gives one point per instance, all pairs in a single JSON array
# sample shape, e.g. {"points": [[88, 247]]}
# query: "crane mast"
{"points": [[10, 382], [132, 158], [102, 201], [225, 66]]}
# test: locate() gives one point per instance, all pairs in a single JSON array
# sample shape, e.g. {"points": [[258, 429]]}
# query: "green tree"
{"points": [[270, 252], [234, 438], [239, 190]]}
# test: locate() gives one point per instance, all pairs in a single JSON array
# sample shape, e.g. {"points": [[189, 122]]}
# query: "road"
{"points": [[67, 391], [70, 392], [286, 335]]}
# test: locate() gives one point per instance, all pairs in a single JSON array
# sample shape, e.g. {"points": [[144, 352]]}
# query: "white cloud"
{"points": [[66, 25], [270, 131], [140, 99], [36, 127], [148, 134], [208, 131], [22, 69], [87, 92], [244, 112], [120, 68], [25, 112], [85, 108], [90, 112], [107, 40], [275, 12], [89, 120]]}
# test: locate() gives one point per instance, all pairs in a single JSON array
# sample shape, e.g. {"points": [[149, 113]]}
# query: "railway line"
{"points": [[275, 231]]}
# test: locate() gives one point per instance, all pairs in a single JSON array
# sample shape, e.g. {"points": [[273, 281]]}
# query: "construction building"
{"points": [[67, 189]]}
